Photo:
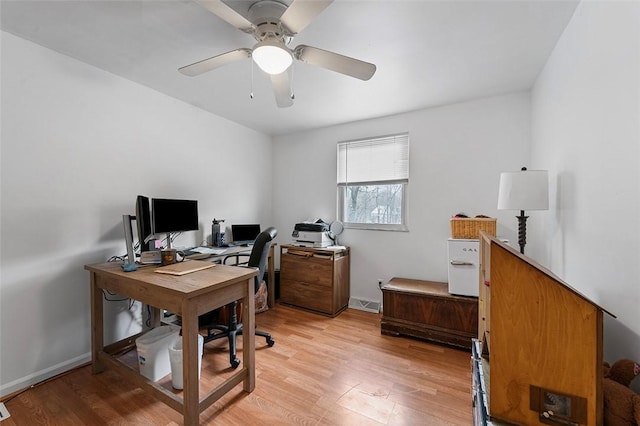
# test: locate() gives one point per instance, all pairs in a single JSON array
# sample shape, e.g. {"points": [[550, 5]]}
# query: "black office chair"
{"points": [[232, 328]]}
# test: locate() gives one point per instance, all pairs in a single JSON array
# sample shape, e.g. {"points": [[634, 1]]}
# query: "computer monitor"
{"points": [[244, 234], [174, 216]]}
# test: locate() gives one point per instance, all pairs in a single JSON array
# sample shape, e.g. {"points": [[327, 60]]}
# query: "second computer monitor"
{"points": [[244, 234]]}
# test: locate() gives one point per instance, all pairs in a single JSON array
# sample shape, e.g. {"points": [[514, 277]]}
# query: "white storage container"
{"points": [[153, 351]]}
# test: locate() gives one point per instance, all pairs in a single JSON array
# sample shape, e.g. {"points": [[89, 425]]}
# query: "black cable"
{"points": [[148, 321], [104, 294]]}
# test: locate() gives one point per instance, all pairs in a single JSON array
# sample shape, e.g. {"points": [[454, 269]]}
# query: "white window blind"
{"points": [[382, 159]]}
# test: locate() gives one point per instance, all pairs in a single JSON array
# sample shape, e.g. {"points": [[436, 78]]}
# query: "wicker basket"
{"points": [[470, 228]]}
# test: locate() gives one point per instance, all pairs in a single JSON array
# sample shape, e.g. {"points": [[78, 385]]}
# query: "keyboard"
{"points": [[197, 255], [201, 252], [243, 243], [190, 253]]}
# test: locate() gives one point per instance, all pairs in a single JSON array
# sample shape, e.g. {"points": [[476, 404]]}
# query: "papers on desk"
{"points": [[208, 250], [185, 267]]}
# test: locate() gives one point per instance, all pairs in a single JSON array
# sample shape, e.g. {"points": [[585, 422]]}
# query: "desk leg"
{"points": [[249, 337], [191, 392], [97, 325]]}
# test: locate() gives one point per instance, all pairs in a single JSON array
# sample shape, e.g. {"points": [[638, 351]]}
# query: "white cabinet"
{"points": [[463, 266]]}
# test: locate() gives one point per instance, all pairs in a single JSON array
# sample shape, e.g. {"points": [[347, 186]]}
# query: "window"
{"points": [[373, 175]]}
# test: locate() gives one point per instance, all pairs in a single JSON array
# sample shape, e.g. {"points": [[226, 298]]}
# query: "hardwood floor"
{"points": [[321, 371]]}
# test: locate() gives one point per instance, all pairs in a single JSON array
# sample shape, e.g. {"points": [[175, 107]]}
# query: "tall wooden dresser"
{"points": [[315, 279], [539, 356]]}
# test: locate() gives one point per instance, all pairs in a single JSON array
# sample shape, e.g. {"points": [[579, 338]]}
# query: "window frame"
{"points": [[374, 226], [404, 181]]}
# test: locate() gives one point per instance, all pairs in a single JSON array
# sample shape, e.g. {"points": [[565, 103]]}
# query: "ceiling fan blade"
{"points": [[222, 11], [301, 12], [214, 62], [282, 89], [335, 62]]}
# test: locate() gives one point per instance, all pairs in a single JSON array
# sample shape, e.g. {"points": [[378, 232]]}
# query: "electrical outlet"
{"points": [[379, 283]]}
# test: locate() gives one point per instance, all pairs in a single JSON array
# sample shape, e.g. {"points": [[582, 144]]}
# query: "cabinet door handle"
{"points": [[300, 253], [461, 263]]}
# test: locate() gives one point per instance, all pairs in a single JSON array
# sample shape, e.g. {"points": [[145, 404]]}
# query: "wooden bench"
{"points": [[426, 310]]}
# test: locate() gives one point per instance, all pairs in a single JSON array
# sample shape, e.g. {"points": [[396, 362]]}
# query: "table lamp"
{"points": [[523, 190]]}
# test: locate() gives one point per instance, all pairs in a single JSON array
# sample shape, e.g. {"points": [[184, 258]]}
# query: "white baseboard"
{"points": [[39, 376]]}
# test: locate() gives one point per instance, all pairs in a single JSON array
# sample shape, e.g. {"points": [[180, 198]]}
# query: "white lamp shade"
{"points": [[524, 190], [272, 57]]}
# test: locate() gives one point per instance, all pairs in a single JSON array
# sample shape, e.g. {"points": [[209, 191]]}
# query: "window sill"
{"points": [[376, 227]]}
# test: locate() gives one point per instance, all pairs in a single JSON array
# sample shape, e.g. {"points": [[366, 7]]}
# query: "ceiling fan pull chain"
{"points": [[251, 91], [293, 96]]}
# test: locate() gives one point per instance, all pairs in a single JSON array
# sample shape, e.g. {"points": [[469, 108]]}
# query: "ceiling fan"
{"points": [[274, 24]]}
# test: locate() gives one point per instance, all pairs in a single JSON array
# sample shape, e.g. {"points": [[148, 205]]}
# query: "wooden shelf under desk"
{"points": [[426, 310]]}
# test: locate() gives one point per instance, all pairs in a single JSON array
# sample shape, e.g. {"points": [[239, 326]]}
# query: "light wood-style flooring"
{"points": [[321, 371]]}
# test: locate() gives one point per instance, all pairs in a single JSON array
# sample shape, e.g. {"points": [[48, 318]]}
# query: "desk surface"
{"points": [[189, 284], [169, 290]]}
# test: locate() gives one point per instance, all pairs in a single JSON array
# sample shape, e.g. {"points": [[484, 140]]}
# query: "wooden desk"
{"points": [[189, 296]]}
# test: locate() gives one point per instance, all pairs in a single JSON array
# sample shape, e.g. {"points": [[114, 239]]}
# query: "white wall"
{"points": [[456, 155], [586, 132], [78, 145]]}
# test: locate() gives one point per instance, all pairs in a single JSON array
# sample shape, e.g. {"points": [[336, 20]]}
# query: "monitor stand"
{"points": [[130, 264]]}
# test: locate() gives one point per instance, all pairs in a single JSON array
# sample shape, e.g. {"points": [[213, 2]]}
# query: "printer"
{"points": [[311, 234]]}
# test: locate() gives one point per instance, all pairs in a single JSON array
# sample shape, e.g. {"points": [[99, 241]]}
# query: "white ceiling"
{"points": [[428, 53]]}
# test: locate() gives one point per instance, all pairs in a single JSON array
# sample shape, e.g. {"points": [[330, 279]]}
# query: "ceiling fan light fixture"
{"points": [[272, 56]]}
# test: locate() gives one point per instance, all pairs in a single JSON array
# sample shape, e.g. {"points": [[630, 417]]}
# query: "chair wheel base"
{"points": [[235, 363], [270, 341]]}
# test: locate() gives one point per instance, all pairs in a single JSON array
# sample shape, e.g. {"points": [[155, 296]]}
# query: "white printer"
{"points": [[312, 234], [311, 238]]}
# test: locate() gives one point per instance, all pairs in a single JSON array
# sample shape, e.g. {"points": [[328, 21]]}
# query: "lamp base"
{"points": [[522, 230]]}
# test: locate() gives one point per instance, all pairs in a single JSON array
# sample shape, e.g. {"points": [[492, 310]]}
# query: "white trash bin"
{"points": [[153, 359], [175, 356]]}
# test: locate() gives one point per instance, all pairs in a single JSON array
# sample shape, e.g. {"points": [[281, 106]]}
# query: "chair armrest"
{"points": [[237, 256]]}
